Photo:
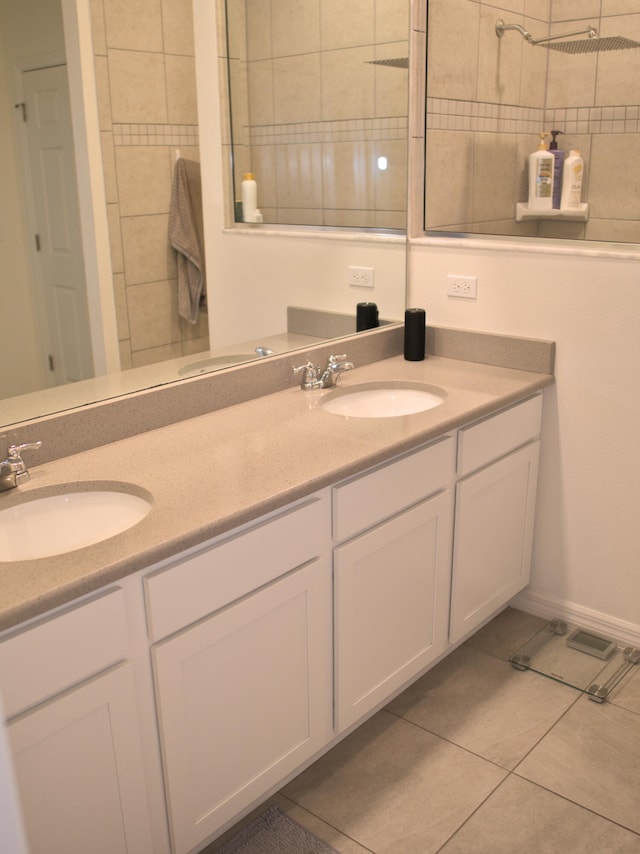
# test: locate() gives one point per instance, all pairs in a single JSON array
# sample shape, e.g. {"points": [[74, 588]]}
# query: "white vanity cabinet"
{"points": [[391, 581], [255, 651], [243, 679], [494, 517], [72, 726]]}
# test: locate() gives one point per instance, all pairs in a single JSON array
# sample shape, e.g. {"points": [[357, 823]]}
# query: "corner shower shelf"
{"points": [[578, 658], [580, 214]]}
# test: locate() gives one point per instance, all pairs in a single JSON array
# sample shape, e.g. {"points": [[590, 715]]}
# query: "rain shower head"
{"points": [[399, 62], [591, 44]]}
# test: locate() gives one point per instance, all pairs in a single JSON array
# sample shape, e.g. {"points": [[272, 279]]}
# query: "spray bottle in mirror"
{"points": [[558, 162]]}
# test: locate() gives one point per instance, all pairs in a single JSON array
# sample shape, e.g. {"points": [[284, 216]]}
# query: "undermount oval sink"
{"points": [[383, 400], [56, 524]]}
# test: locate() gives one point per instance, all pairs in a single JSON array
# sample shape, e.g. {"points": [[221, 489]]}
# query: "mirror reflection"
{"points": [[484, 116], [47, 339], [319, 95], [146, 98]]}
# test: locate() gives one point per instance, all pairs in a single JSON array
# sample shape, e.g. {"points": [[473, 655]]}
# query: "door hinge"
{"points": [[50, 362], [37, 237], [22, 106]]}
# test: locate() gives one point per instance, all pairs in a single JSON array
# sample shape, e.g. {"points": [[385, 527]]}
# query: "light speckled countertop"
{"points": [[211, 473]]}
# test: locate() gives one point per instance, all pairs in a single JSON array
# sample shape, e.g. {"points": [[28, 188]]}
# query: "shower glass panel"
{"points": [[495, 83]]}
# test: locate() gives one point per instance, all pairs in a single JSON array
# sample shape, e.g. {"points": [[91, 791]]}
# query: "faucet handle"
{"points": [[14, 451], [309, 373], [333, 359], [13, 471]]}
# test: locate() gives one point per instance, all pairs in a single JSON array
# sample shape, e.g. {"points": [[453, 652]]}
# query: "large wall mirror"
{"points": [[160, 93], [489, 95]]}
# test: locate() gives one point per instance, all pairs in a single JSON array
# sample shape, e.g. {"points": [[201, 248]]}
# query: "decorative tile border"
{"points": [[347, 130], [155, 134], [448, 114]]}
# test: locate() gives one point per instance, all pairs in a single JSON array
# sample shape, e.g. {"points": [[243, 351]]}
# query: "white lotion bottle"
{"points": [[572, 175], [541, 164], [250, 212]]}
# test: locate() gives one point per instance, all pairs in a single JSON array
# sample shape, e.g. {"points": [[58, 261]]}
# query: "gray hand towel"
{"points": [[186, 236]]}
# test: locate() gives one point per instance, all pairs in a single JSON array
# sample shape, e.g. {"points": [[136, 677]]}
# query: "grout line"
{"points": [[473, 812], [325, 821], [576, 803], [448, 740]]}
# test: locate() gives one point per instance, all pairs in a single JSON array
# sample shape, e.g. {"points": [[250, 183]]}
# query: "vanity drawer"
{"points": [[47, 657], [218, 575], [368, 499], [495, 436]]}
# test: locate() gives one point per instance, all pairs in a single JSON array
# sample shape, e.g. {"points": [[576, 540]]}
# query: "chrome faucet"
{"points": [[13, 470], [312, 378]]}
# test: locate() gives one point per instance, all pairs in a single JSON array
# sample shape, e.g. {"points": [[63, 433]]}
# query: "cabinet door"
{"points": [[391, 589], [79, 771], [493, 538], [244, 698]]}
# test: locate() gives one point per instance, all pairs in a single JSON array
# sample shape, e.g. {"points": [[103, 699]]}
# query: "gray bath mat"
{"points": [[275, 833]]}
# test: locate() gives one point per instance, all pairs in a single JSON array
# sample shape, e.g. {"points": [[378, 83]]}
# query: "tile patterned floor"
{"points": [[478, 757]]}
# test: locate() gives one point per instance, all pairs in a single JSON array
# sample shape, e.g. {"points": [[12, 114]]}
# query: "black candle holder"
{"points": [[366, 316], [415, 327]]}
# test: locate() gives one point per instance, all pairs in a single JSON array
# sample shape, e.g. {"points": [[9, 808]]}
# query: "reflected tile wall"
{"points": [[320, 110], [331, 170], [145, 70]]}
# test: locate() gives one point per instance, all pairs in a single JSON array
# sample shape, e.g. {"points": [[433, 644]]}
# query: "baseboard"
{"points": [[586, 618]]}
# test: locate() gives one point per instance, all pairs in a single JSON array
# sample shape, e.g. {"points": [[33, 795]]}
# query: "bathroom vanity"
{"points": [[293, 580]]}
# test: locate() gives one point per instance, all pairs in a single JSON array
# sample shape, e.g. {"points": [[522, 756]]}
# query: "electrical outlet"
{"points": [[462, 286], [361, 277]]}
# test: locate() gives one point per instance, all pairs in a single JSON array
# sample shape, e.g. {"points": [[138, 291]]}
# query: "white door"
{"points": [[62, 291]]}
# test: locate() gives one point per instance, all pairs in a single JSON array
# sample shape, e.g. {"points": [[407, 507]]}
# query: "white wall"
{"points": [[587, 540], [257, 278]]}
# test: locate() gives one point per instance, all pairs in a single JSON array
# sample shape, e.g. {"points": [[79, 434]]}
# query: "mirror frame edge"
{"points": [[76, 17]]}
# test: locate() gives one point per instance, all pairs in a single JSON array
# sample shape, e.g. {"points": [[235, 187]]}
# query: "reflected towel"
{"points": [[186, 236]]}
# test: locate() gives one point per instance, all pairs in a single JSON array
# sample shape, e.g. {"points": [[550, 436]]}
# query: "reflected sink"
{"points": [[206, 365], [216, 362], [383, 400], [55, 524]]}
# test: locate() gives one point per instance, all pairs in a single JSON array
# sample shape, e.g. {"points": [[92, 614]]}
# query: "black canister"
{"points": [[415, 327], [366, 316]]}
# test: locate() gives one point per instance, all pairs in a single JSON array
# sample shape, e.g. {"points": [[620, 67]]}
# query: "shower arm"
{"points": [[501, 27]]}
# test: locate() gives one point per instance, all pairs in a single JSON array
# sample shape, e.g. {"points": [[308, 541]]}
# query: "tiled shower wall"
{"points": [[484, 114], [145, 73], [312, 114]]}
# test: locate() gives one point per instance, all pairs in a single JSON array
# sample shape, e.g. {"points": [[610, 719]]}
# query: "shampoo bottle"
{"points": [[250, 212], [572, 175], [541, 164], [558, 163]]}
